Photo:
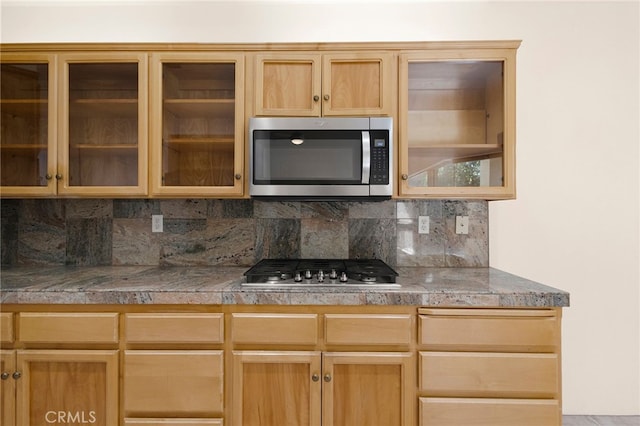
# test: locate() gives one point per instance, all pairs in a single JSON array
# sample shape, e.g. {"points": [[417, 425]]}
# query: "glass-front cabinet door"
{"points": [[197, 124], [27, 124], [457, 124], [103, 124]]}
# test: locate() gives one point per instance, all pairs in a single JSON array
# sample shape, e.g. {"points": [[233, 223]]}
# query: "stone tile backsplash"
{"points": [[239, 232]]}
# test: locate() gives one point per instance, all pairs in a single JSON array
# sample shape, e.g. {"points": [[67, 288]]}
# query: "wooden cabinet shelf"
{"points": [[200, 107], [24, 106], [105, 108], [22, 147]]}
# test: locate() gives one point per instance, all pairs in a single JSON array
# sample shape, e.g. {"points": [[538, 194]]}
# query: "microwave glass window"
{"points": [[308, 158]]}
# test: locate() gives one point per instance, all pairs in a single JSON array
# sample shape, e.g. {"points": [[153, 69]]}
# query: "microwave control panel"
{"points": [[379, 157]]}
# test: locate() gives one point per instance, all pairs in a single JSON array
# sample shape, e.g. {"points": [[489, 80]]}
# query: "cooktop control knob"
{"points": [[307, 274], [333, 274], [343, 277], [320, 276], [297, 277]]}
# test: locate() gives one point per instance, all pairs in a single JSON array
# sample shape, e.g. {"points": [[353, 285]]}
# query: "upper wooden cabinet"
{"points": [[103, 124], [306, 84], [457, 123], [197, 127], [28, 125]]}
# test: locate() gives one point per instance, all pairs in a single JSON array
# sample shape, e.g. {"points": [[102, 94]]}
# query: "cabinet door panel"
{"points": [[273, 329], [506, 331], [60, 386], [27, 124], [7, 388], [60, 327], [6, 327], [286, 84], [174, 328], [368, 329], [173, 383], [276, 388], [173, 422], [476, 374], [489, 412], [373, 389]]}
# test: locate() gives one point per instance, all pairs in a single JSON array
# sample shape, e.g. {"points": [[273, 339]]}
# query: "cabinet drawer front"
{"points": [[488, 412], [172, 422], [174, 328], [508, 331], [6, 327], [489, 375], [173, 383], [35, 327], [273, 329], [350, 329]]}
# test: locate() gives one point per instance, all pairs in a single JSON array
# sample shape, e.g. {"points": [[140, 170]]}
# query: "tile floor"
{"points": [[600, 420]]}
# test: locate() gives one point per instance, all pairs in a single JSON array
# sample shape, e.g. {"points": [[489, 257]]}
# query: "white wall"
{"points": [[575, 224]]}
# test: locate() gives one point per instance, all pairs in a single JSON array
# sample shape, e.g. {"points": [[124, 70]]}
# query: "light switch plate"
{"points": [[462, 224]]}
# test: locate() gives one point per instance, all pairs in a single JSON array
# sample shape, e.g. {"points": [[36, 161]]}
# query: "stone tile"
{"points": [[414, 249], [324, 238], [277, 209], [9, 214], [373, 238], [231, 209], [132, 209], [88, 208], [372, 209], [472, 249], [42, 233], [330, 210], [89, 241], [277, 239], [134, 243], [411, 209], [184, 209]]}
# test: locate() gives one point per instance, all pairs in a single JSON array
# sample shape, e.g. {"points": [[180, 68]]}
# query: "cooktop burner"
{"points": [[320, 272]]}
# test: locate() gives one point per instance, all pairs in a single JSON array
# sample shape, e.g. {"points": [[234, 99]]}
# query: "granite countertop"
{"points": [[473, 287]]}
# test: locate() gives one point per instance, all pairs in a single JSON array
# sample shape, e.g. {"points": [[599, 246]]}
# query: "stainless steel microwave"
{"points": [[321, 157]]}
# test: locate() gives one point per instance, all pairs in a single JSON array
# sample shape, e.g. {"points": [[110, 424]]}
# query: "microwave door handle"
{"points": [[366, 157]]}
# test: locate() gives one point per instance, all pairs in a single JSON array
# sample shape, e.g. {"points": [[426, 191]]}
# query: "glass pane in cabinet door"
{"points": [[103, 124], [455, 123], [198, 124], [24, 108]]}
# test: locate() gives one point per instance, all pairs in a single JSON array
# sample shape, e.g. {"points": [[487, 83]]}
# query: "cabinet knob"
{"points": [[238, 176], [405, 176], [327, 377], [4, 376], [315, 377], [58, 176], [17, 375], [316, 98], [48, 176], [326, 97]]}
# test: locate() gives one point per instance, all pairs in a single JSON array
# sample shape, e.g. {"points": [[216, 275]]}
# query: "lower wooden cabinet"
{"points": [[488, 412], [8, 388], [60, 387], [273, 388], [173, 422], [173, 383]]}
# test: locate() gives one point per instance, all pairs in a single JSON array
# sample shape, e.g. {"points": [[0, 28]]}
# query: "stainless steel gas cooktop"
{"points": [[321, 272]]}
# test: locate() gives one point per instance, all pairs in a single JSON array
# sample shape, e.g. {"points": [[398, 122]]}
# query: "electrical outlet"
{"points": [[462, 224], [156, 223], [423, 224]]}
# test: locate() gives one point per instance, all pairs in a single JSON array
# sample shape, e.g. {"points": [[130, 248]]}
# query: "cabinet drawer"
{"points": [[273, 329], [489, 330], [475, 374], [36, 327], [173, 383], [6, 327], [172, 422], [373, 329], [488, 412], [174, 328]]}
